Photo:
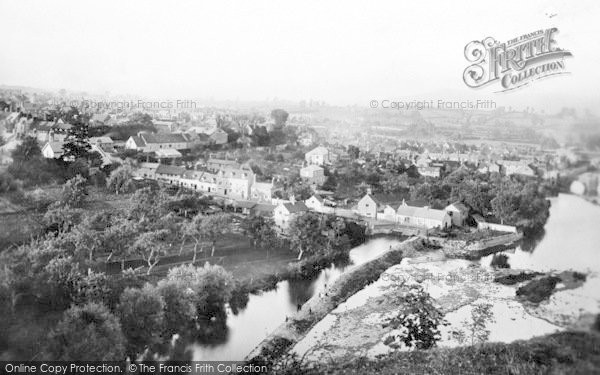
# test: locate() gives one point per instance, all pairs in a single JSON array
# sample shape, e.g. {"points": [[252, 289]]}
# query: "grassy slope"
{"points": [[559, 353]]}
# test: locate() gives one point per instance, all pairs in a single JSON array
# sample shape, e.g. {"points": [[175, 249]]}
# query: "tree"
{"points": [[121, 180], [336, 229], [141, 312], [261, 230], [59, 281], [212, 286], [27, 150], [150, 248], [60, 218], [87, 333], [417, 323], [140, 119], [353, 152], [86, 242], [505, 205], [193, 229], [15, 275], [280, 117], [180, 305], [8, 183], [92, 287], [77, 144], [475, 331], [305, 233], [187, 204], [301, 192], [214, 227], [74, 192], [148, 206], [394, 183], [118, 237]]}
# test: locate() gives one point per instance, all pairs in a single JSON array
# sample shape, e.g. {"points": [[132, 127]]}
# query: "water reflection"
{"points": [[213, 333], [300, 291], [570, 241], [265, 312], [529, 243]]}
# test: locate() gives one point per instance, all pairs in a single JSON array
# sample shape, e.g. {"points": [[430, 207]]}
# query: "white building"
{"points": [[368, 206], [423, 217], [318, 156], [53, 150], [314, 174], [146, 142], [284, 213], [458, 213]]}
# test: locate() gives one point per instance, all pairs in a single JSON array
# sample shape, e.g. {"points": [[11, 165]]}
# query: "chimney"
{"points": [[293, 199], [369, 192]]}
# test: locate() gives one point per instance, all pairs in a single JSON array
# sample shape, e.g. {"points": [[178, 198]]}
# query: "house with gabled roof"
{"points": [[284, 213], [315, 202], [147, 142], [219, 136], [146, 170], [318, 156], [425, 217], [368, 206], [53, 150], [262, 191], [458, 212], [169, 173], [313, 173], [215, 164]]}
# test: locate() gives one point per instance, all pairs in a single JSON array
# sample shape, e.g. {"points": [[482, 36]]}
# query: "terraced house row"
{"points": [[222, 178]]}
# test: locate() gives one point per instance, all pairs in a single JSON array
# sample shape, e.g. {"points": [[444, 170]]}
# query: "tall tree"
{"points": [[214, 227], [212, 284], [193, 229], [150, 247], [27, 150], [87, 333], [121, 180], [305, 233], [77, 144], [74, 192], [141, 312], [180, 305], [261, 230], [280, 117]]}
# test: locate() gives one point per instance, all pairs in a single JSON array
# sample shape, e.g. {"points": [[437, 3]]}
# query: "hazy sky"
{"points": [[343, 52]]}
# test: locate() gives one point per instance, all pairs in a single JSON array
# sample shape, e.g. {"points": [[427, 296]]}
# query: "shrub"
{"points": [[538, 290], [516, 278], [500, 261]]}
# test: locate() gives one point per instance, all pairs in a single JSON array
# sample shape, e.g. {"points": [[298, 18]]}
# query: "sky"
{"points": [[341, 52]]}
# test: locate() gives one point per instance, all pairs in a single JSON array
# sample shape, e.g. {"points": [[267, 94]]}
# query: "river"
{"points": [[571, 241], [267, 310]]}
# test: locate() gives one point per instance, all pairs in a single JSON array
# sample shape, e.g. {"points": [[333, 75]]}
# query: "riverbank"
{"points": [[573, 352], [356, 327], [296, 326]]}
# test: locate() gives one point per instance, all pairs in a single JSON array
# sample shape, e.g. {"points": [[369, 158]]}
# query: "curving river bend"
{"points": [[266, 311], [571, 242]]}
